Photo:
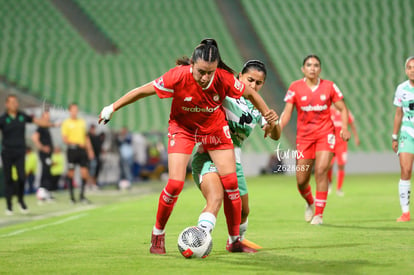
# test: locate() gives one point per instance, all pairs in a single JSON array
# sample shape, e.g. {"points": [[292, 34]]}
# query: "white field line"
{"points": [[52, 214], [21, 231]]}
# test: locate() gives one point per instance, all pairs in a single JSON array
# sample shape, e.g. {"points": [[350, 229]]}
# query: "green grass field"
{"points": [[359, 234]]}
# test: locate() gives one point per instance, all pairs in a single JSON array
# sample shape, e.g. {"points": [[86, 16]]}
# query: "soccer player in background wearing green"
{"points": [[242, 118], [404, 144]]}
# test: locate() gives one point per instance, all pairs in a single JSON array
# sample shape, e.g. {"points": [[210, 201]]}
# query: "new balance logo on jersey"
{"points": [[188, 98], [317, 107]]}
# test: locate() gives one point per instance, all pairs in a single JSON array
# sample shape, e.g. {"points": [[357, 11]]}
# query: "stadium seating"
{"points": [[361, 50], [362, 45], [43, 52]]}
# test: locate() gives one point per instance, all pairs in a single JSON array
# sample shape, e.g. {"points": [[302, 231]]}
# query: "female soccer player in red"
{"points": [[341, 149], [198, 91], [315, 138]]}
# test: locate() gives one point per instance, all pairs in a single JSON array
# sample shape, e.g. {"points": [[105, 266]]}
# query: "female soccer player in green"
{"points": [[242, 118], [404, 145]]}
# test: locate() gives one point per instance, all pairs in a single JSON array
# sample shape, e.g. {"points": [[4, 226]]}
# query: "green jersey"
{"points": [[404, 97], [242, 117]]}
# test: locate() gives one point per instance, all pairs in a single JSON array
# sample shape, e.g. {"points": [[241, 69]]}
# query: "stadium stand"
{"points": [[362, 44], [43, 52], [40, 51]]}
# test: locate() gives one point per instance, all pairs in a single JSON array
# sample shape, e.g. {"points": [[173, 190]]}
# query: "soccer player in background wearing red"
{"points": [[404, 144], [341, 149], [315, 137], [198, 91]]}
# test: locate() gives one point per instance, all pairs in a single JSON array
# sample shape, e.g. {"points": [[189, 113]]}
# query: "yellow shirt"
{"points": [[30, 165], [58, 164], [75, 131]]}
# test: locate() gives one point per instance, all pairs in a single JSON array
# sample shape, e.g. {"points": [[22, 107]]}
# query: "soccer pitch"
{"points": [[112, 236]]}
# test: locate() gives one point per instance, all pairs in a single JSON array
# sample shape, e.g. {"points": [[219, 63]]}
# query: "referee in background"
{"points": [[79, 150], [12, 126]]}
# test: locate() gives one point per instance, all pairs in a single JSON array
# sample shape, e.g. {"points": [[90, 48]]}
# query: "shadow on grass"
{"points": [[264, 262], [269, 261]]}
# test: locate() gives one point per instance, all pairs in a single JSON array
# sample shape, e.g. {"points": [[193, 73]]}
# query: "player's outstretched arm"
{"points": [[130, 97], [258, 102], [42, 122], [286, 115]]}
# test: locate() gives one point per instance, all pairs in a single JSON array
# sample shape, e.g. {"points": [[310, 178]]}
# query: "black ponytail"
{"points": [[208, 51], [182, 61]]}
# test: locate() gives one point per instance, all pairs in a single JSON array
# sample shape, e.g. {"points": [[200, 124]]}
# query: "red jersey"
{"points": [[337, 120], [312, 105], [336, 117], [195, 109]]}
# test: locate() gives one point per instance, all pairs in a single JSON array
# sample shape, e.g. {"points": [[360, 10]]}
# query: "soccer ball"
{"points": [[42, 194], [194, 242]]}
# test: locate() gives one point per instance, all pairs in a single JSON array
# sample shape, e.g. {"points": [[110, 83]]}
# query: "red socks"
{"points": [[166, 202], [341, 176], [320, 202], [330, 175], [307, 194], [232, 203]]}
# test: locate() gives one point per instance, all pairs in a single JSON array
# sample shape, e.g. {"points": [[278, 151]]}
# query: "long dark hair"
{"points": [[254, 64], [208, 51]]}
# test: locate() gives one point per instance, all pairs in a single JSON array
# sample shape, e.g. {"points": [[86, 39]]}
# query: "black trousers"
{"points": [[46, 178], [16, 158]]}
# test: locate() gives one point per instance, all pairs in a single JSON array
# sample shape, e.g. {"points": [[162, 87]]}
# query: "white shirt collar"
{"points": [[211, 80], [317, 85]]}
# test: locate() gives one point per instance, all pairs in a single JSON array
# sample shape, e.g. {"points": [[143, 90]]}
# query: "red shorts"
{"points": [[341, 148], [306, 148], [181, 141]]}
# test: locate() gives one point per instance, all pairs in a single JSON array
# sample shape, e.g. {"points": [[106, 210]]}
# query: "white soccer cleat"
{"points": [[317, 220], [309, 211]]}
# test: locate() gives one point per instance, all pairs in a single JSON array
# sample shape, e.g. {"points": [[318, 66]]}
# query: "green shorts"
{"points": [[405, 143], [202, 165]]}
